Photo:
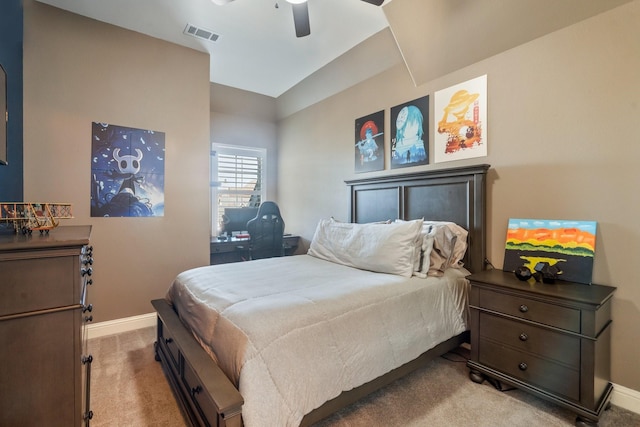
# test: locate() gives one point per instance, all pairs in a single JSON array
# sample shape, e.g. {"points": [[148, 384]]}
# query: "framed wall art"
{"points": [[461, 121], [567, 245], [369, 143], [410, 133], [127, 171]]}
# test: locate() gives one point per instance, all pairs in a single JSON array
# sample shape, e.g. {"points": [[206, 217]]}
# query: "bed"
{"points": [[337, 304]]}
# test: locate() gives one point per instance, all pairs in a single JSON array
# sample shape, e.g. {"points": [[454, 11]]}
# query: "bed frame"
{"points": [[208, 398]]}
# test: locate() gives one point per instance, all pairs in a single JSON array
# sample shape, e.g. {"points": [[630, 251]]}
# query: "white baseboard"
{"points": [[626, 398], [117, 326], [621, 396]]}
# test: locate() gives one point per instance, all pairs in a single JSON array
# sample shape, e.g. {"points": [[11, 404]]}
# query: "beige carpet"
{"points": [[129, 389]]}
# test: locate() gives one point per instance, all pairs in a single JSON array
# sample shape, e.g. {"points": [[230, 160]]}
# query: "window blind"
{"points": [[237, 180]]}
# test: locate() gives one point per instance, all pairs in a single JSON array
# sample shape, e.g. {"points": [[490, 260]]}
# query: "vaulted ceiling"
{"points": [[256, 48]]}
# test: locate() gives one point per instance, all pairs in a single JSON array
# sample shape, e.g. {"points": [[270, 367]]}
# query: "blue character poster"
{"points": [[369, 144], [410, 133], [127, 171]]}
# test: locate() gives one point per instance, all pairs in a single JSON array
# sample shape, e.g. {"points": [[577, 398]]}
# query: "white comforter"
{"points": [[294, 332]]}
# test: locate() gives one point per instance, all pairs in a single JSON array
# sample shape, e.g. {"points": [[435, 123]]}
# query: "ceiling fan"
{"points": [[301, 14]]}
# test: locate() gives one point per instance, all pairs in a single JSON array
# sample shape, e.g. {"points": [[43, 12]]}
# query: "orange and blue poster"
{"points": [[461, 121], [567, 245]]}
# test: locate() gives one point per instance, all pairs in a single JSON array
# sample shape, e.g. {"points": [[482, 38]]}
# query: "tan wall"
{"points": [[561, 142], [248, 119], [77, 71]]}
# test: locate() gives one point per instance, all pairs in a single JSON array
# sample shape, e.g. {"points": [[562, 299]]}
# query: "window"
{"points": [[237, 180]]}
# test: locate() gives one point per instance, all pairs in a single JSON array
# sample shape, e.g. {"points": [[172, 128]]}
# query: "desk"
{"points": [[236, 250]]}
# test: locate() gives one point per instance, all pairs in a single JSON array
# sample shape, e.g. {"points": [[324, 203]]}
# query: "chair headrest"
{"points": [[268, 208]]}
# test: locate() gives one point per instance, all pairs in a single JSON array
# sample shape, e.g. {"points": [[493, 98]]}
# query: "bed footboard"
{"points": [[208, 398], [203, 391]]}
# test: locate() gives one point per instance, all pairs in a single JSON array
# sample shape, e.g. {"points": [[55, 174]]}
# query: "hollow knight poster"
{"points": [[127, 171]]}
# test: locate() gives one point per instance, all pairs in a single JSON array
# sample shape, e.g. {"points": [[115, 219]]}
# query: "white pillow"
{"points": [[421, 246], [380, 247], [442, 248], [460, 243], [450, 246], [425, 255], [444, 244]]}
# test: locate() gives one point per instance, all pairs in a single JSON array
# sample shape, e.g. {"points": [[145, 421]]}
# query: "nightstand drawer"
{"points": [[531, 369], [536, 311], [526, 337]]}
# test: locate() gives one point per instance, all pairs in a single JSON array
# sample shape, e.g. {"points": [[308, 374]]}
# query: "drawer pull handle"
{"points": [[168, 340], [523, 337], [524, 308], [522, 366], [195, 390]]}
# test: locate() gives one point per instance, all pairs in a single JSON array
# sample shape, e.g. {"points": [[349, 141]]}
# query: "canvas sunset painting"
{"points": [[567, 245]]}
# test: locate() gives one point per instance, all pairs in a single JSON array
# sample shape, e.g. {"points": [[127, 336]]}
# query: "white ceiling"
{"points": [[257, 50]]}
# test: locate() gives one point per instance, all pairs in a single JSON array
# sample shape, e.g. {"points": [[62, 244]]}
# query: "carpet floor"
{"points": [[128, 389]]}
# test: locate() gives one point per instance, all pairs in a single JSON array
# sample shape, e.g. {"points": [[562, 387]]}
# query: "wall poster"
{"points": [[369, 143], [461, 121], [567, 245], [127, 171], [410, 133]]}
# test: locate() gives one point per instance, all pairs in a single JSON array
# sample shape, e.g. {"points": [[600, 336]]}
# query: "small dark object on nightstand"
{"points": [[548, 272], [523, 273]]}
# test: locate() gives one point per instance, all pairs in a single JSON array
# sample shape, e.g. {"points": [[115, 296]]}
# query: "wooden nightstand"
{"points": [[552, 340]]}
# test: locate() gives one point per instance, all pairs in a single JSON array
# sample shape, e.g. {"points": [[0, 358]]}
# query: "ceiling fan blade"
{"points": [[376, 2], [301, 19]]}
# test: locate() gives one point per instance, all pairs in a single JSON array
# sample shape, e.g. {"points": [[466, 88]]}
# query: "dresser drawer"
{"points": [[545, 343], [536, 311], [554, 377], [39, 366], [169, 346], [201, 400], [222, 248], [36, 284]]}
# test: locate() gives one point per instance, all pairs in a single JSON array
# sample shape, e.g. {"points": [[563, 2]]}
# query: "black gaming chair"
{"points": [[265, 231]]}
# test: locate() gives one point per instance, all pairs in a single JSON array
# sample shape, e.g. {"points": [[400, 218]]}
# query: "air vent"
{"points": [[201, 33]]}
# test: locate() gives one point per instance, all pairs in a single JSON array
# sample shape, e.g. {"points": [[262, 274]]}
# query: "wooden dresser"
{"points": [[552, 340], [45, 370]]}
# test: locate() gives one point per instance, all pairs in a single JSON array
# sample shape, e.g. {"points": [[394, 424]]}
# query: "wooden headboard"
{"points": [[456, 194]]}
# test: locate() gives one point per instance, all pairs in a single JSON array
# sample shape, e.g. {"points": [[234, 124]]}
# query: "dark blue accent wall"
{"points": [[11, 26]]}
